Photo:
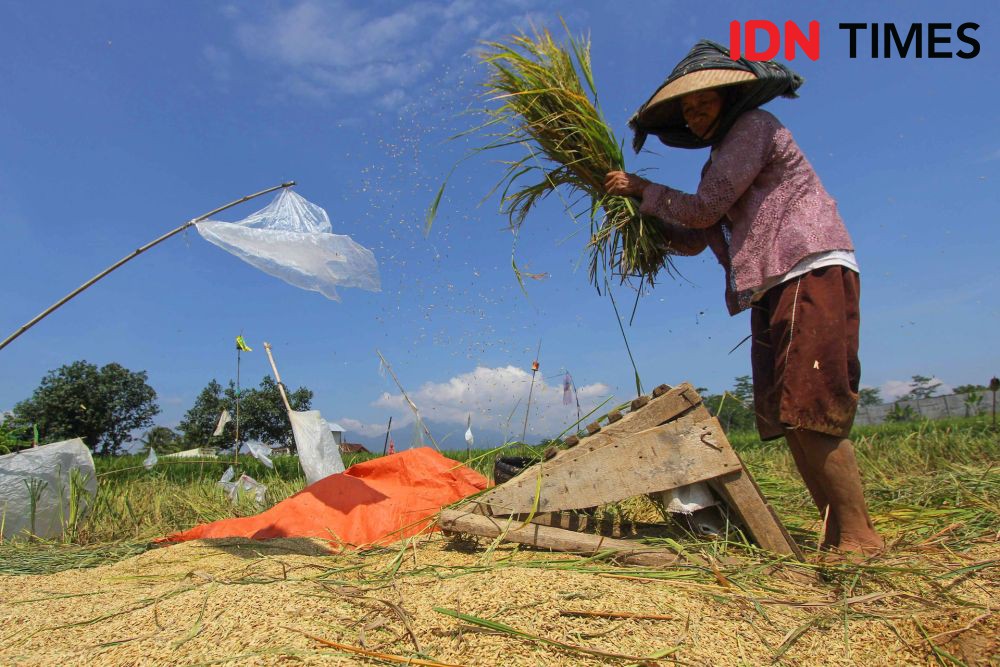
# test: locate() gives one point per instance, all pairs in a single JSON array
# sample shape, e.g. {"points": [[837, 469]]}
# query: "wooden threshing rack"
{"points": [[665, 441]]}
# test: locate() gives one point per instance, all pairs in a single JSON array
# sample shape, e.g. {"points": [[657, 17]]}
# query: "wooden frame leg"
{"points": [[740, 492]]}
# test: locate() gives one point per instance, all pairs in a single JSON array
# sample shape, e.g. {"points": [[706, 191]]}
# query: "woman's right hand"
{"points": [[624, 184]]}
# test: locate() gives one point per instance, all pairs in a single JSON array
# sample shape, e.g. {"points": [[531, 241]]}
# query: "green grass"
{"points": [[920, 478]]}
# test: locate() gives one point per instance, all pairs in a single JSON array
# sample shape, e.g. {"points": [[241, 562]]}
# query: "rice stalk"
{"points": [[496, 626], [542, 97]]}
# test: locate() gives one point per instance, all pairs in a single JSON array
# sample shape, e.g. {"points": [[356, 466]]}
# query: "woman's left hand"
{"points": [[624, 184]]}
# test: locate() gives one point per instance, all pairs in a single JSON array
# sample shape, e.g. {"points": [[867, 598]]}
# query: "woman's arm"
{"points": [[680, 240], [738, 160]]}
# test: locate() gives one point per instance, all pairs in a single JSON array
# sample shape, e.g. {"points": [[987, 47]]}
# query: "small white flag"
{"points": [[224, 419], [150, 459], [468, 432]]}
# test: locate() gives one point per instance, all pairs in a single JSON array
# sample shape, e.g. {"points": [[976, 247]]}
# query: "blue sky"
{"points": [[121, 120]]}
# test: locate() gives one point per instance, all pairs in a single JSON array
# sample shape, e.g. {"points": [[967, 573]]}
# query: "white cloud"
{"points": [[354, 426], [328, 49], [892, 390], [495, 397]]}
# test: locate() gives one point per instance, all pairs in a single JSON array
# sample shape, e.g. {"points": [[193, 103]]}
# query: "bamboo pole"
{"points": [[412, 405], [534, 370], [281, 386], [388, 430], [236, 453], [138, 251]]}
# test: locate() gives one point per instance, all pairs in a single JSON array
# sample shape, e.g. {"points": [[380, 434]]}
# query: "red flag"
{"points": [[392, 446]]}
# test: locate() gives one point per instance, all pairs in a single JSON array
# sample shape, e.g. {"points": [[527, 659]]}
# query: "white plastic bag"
{"points": [[44, 472], [224, 419], [261, 452], [417, 440], [291, 239], [151, 459], [245, 482], [248, 483], [688, 499], [319, 453]]}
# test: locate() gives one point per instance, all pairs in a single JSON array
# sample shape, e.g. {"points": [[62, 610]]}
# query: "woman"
{"points": [[764, 213]]}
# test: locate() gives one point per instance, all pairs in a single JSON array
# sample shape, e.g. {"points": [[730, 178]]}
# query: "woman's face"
{"points": [[700, 110]]}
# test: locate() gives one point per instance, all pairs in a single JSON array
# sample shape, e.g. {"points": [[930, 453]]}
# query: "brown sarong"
{"points": [[805, 354]]}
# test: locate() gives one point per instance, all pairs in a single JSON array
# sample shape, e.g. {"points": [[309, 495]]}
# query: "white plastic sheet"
{"points": [[261, 452], [291, 239], [46, 469], [695, 503], [319, 453]]}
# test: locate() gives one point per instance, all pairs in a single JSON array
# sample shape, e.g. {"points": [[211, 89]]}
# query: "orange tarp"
{"points": [[376, 502]]}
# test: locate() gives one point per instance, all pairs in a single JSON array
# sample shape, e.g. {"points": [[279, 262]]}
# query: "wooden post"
{"points": [[742, 494], [555, 539], [388, 430]]}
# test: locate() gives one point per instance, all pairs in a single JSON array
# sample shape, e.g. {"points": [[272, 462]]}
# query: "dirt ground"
{"points": [[256, 603]]}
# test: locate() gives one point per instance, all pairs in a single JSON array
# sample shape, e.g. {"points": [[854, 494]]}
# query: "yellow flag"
{"points": [[242, 345]]}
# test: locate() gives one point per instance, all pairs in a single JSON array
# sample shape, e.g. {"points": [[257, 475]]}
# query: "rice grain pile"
{"points": [[268, 603]]}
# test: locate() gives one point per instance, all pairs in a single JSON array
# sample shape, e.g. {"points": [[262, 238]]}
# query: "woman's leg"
{"points": [[831, 462], [831, 532]]}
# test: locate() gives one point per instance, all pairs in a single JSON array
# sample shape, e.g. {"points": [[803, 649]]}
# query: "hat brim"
{"points": [[664, 108]]}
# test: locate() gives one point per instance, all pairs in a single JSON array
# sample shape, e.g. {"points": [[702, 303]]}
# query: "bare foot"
{"points": [[867, 545]]}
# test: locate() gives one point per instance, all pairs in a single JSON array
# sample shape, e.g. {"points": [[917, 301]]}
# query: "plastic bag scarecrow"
{"points": [[291, 238]]}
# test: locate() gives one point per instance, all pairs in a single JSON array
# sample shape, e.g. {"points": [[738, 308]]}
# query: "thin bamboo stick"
{"points": [[412, 405], [138, 251], [281, 386]]}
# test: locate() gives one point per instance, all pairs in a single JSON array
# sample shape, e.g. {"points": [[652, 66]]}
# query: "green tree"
{"points": [[922, 387], [743, 389], [200, 420], [970, 389], [262, 414], [869, 396], [163, 440], [12, 437], [101, 405], [734, 409], [901, 413]]}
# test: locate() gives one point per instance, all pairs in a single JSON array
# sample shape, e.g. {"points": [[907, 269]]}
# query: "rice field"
{"points": [[104, 595]]}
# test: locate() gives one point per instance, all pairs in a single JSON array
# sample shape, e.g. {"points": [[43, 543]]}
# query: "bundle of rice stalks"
{"points": [[548, 104]]}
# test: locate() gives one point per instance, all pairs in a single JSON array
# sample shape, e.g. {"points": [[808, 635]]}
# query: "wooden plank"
{"points": [[670, 405], [680, 400], [742, 494], [675, 454], [555, 539]]}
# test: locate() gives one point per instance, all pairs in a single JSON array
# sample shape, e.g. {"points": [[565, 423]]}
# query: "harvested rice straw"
{"points": [[548, 104], [387, 657]]}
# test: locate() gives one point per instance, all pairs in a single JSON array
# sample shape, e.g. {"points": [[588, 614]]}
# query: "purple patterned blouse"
{"points": [[760, 207]]}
